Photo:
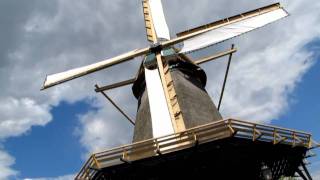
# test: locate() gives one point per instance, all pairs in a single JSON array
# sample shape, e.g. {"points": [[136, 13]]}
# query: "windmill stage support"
{"points": [[225, 78], [116, 106], [302, 175], [306, 171], [213, 150]]}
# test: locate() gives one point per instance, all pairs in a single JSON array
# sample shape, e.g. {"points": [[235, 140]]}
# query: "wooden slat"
{"points": [[167, 83], [150, 31]]}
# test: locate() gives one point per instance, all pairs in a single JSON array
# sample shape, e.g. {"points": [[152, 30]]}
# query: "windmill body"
{"points": [[196, 105], [178, 131]]}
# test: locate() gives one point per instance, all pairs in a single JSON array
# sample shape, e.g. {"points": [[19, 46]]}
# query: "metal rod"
{"points": [[225, 78], [115, 105], [115, 85], [216, 56]]}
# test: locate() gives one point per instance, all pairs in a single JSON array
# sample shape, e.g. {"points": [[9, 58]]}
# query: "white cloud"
{"points": [[65, 177], [314, 169], [18, 115], [5, 162], [259, 85], [316, 175], [106, 127]]}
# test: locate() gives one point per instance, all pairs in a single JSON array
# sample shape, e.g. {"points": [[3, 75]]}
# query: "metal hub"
{"points": [[156, 47]]}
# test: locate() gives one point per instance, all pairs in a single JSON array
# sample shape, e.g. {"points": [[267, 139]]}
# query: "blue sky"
{"points": [[304, 111], [274, 75], [51, 150]]}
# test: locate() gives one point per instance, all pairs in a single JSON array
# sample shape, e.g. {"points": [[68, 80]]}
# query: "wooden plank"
{"points": [[115, 85], [177, 121], [215, 56]]}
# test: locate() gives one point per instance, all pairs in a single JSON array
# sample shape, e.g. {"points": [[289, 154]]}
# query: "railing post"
{"points": [[274, 136], [96, 161], [123, 158], [294, 139], [87, 173], [309, 142], [196, 142], [158, 151], [230, 127], [254, 132]]}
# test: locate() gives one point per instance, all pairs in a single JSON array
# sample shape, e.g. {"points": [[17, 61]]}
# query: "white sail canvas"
{"points": [[58, 78], [160, 116], [231, 30], [159, 21]]}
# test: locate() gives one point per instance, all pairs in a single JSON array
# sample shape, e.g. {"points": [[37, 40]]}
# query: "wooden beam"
{"points": [[115, 85], [96, 161], [183, 56], [255, 131], [166, 79], [215, 56]]}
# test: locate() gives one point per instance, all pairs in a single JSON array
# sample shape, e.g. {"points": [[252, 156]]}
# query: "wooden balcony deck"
{"points": [[229, 128]]}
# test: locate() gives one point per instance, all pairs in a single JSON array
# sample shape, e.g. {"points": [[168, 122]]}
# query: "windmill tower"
{"points": [[175, 112]]}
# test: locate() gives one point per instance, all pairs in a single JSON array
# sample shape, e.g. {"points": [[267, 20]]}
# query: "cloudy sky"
{"points": [[48, 134]]}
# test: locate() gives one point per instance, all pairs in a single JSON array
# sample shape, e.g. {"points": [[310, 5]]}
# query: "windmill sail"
{"points": [[231, 27], [156, 25], [54, 79], [193, 39], [157, 30], [160, 116], [159, 21]]}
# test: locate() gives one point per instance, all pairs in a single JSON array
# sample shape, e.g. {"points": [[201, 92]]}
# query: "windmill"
{"points": [[173, 106]]}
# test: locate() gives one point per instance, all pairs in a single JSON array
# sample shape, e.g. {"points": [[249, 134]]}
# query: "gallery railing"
{"points": [[191, 137]]}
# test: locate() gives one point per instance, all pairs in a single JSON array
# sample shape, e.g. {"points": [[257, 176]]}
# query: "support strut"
{"points": [[116, 106], [225, 78]]}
